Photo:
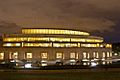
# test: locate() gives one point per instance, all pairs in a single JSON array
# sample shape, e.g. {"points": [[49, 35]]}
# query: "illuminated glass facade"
{"points": [[53, 31], [44, 55], [54, 44], [1, 56]]}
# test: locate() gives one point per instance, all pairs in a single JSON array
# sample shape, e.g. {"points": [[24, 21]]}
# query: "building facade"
{"points": [[54, 45]]}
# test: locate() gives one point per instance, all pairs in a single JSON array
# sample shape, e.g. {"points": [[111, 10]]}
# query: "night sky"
{"points": [[99, 17]]}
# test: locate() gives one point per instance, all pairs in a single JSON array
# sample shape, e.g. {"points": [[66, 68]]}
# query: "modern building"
{"points": [[35, 44]]}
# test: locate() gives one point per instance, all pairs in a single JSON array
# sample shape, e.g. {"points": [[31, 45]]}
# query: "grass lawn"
{"points": [[59, 75]]}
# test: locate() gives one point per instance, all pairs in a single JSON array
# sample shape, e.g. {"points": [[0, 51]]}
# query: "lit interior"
{"points": [[84, 55], [29, 38], [15, 55], [12, 44], [44, 55], [37, 44], [47, 39], [65, 45], [52, 44], [108, 54], [53, 31], [28, 55], [95, 55], [59, 55], [1, 56], [72, 55]]}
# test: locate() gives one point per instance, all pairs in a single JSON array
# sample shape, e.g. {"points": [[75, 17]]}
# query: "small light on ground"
{"points": [[28, 65]]}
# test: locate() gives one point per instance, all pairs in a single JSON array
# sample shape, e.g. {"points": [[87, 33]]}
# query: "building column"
{"points": [[6, 55]]}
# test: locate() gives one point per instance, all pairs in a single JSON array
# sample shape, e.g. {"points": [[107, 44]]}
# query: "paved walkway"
{"points": [[62, 71]]}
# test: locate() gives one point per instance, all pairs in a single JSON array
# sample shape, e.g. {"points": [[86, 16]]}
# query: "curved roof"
{"points": [[53, 31], [52, 35]]}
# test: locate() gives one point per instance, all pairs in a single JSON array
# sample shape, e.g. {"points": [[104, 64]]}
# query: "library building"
{"points": [[57, 45]]}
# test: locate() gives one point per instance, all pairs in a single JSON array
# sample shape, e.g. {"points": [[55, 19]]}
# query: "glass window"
{"points": [[37, 44], [59, 55], [1, 55], [65, 45], [84, 55], [95, 55], [44, 55], [88, 55], [103, 54], [52, 31], [108, 46], [89, 45], [72, 55], [77, 56], [15, 55], [60, 39], [28, 55], [108, 54], [11, 44]]}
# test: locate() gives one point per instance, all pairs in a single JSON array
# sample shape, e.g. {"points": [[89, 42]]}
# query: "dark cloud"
{"points": [[91, 15], [8, 27]]}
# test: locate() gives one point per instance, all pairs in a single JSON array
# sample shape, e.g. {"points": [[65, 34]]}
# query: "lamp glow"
{"points": [[28, 65]]}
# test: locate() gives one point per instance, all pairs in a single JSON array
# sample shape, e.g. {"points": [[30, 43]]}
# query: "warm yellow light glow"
{"points": [[101, 45], [77, 56], [17, 44], [59, 55], [103, 54], [60, 39], [11, 44], [7, 44], [28, 55], [95, 55], [108, 54], [88, 55], [37, 45], [72, 55], [108, 46], [44, 55], [33, 39], [64, 44], [20, 39], [74, 40], [49, 44], [15, 55], [90, 45], [10, 55], [84, 55], [77, 40], [85, 40], [53, 31], [1, 56]]}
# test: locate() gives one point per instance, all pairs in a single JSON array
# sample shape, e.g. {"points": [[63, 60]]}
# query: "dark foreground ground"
{"points": [[71, 74]]}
